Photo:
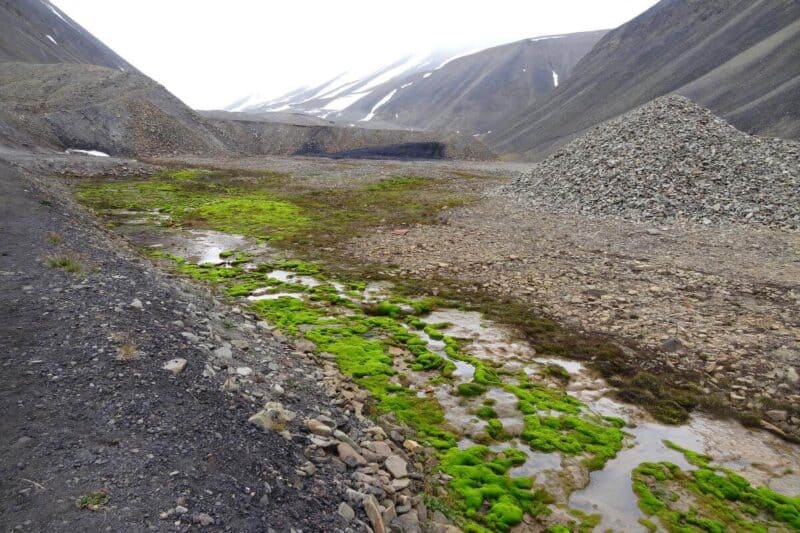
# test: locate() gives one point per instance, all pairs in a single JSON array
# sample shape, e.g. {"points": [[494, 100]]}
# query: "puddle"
{"points": [[486, 340], [273, 296], [204, 246], [376, 291], [609, 491], [287, 276], [572, 367]]}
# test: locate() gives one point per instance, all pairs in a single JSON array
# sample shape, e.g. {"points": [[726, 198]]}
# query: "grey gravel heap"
{"points": [[670, 160]]}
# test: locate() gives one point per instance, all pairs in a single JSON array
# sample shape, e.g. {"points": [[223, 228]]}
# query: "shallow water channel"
{"points": [[762, 458]]}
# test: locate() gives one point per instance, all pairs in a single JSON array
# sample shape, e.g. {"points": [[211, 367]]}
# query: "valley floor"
{"points": [[717, 307], [673, 318]]}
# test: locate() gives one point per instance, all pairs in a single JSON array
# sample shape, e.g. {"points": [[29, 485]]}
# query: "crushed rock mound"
{"points": [[670, 160]]}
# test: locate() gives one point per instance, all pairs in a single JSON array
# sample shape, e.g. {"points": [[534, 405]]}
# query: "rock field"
{"points": [[670, 159]]}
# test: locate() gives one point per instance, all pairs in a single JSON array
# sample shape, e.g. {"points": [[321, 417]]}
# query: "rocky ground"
{"points": [[670, 160], [718, 301], [135, 401], [254, 433]]}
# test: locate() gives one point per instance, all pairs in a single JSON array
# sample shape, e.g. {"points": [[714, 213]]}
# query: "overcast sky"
{"points": [[209, 53]]}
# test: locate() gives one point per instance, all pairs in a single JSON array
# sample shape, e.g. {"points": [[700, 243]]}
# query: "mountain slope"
{"points": [[36, 31], [479, 92], [73, 92], [69, 105], [470, 92], [334, 95], [737, 57]]}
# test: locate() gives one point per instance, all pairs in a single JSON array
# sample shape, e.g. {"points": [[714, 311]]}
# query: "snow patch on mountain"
{"points": [[547, 38], [377, 106], [345, 101]]}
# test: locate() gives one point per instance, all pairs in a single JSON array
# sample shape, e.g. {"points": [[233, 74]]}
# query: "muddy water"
{"points": [[759, 456]]}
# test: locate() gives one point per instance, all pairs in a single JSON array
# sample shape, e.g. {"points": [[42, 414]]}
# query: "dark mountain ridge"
{"points": [[737, 57]]}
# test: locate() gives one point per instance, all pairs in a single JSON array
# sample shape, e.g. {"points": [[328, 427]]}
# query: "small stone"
{"points": [[204, 519], [777, 415], [350, 456], [382, 449], [224, 353], [374, 514], [189, 336], [396, 466], [304, 346], [346, 512], [318, 428], [176, 366], [411, 445], [672, 345], [273, 417], [230, 385], [400, 484]]}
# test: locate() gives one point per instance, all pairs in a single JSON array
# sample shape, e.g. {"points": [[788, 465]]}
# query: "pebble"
{"points": [[396, 466], [176, 366], [346, 512]]}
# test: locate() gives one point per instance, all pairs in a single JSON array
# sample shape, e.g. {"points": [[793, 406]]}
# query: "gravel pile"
{"points": [[670, 159]]}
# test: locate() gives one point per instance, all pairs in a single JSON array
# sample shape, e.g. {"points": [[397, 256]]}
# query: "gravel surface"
{"points": [[670, 159], [90, 408]]}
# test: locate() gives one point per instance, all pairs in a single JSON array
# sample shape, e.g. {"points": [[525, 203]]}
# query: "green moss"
{"points": [[717, 499], [572, 435], [485, 412], [397, 184], [534, 398], [650, 525], [433, 332], [495, 430], [557, 371], [94, 500], [65, 263], [470, 389], [669, 412], [387, 309], [287, 313], [484, 491], [189, 197]]}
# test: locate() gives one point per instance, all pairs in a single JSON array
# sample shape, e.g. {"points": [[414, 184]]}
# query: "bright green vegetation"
{"points": [[481, 480], [397, 184], [274, 206], [470, 389], [65, 263], [93, 501], [196, 198], [710, 498], [379, 344], [599, 439]]}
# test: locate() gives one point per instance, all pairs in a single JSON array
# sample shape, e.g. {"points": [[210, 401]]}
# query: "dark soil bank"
{"points": [[88, 409]]}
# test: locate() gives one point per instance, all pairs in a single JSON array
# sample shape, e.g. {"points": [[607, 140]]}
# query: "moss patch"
{"points": [[710, 498], [484, 490]]}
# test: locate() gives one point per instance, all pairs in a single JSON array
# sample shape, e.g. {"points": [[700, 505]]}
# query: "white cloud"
{"points": [[210, 53]]}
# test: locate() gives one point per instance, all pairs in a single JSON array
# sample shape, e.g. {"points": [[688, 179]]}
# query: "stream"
{"points": [[760, 457]]}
